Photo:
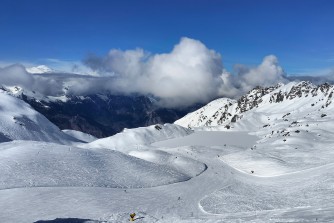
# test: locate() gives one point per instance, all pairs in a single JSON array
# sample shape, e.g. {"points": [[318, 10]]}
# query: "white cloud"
{"points": [[16, 75], [190, 73], [67, 66], [267, 73]]}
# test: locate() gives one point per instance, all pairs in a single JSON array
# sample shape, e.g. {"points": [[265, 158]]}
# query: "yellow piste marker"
{"points": [[132, 217]]}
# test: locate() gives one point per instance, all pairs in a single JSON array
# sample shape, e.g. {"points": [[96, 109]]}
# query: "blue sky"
{"points": [[299, 32]]}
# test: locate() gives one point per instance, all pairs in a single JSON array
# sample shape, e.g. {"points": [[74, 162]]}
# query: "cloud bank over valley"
{"points": [[191, 73]]}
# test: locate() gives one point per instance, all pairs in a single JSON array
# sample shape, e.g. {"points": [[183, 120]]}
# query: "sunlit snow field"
{"points": [[219, 194], [67, 190]]}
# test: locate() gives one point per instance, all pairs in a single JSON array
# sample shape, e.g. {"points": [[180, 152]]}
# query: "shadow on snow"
{"points": [[67, 220]]}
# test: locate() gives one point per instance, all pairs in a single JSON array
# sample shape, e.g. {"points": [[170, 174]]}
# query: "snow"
{"points": [[209, 138], [202, 116], [300, 140], [293, 134], [134, 139], [184, 165], [220, 193], [308, 191], [35, 95], [275, 164], [18, 121], [101, 202], [80, 135], [34, 164]]}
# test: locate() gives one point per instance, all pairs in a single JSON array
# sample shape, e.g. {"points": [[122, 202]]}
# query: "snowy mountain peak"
{"points": [[41, 69]]}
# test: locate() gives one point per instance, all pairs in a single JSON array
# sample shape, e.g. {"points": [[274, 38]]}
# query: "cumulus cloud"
{"points": [[190, 73], [245, 78], [267, 73]]}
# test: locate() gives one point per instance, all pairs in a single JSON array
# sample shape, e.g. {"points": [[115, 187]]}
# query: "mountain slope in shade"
{"points": [[18, 121], [101, 114]]}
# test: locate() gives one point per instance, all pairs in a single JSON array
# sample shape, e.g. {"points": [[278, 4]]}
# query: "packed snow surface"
{"points": [[34, 164], [134, 139]]}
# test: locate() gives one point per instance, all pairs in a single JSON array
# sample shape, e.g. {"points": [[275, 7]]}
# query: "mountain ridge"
{"points": [[228, 111]]}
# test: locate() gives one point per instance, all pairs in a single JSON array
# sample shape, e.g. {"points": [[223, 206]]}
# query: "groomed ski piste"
{"points": [[276, 164]]}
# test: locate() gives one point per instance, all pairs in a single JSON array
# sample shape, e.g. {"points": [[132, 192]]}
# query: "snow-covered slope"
{"points": [[294, 123], [18, 121], [300, 197], [134, 139], [276, 99], [215, 113], [137, 142], [223, 111], [80, 135], [39, 164]]}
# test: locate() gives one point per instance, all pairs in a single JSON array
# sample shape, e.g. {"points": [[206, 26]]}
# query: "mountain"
{"points": [[19, 121], [293, 123], [278, 99], [100, 115]]}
